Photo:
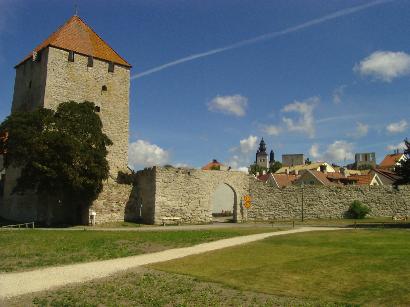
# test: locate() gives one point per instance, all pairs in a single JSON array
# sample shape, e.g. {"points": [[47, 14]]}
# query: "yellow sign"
{"points": [[247, 198], [247, 201]]}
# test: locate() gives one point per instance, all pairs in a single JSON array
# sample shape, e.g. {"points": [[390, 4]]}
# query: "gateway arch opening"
{"points": [[224, 201]]}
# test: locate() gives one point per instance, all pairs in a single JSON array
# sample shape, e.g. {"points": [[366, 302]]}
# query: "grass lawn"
{"points": [[369, 221], [370, 267], [26, 249], [144, 287]]}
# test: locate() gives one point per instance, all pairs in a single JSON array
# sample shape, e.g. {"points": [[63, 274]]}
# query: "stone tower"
{"points": [[74, 63], [262, 156]]}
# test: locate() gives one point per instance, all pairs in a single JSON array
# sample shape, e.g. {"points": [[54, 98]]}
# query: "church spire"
{"points": [[262, 146]]}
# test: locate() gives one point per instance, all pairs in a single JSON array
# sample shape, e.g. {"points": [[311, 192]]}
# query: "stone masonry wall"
{"points": [[187, 193], [75, 81], [29, 84], [270, 203], [115, 203]]}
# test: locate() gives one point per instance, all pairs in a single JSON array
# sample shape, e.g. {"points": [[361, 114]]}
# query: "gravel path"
{"points": [[14, 284]]}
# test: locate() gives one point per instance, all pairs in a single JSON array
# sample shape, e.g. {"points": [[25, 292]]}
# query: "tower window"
{"points": [[111, 67], [90, 61], [97, 109], [104, 88], [71, 56], [29, 84]]}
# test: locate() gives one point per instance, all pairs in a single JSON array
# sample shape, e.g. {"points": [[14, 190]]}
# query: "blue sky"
{"points": [[323, 78]]}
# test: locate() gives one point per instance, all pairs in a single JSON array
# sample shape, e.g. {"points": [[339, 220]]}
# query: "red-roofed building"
{"points": [[214, 166], [369, 179], [391, 161], [278, 180], [75, 35]]}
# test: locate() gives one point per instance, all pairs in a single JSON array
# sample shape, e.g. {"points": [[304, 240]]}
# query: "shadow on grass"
{"points": [[380, 225]]}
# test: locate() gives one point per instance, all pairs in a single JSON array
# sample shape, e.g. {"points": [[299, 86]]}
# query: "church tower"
{"points": [[74, 63], [262, 156]]}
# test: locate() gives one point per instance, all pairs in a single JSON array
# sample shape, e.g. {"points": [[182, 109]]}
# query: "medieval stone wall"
{"points": [[116, 203], [78, 82], [186, 193], [270, 203]]}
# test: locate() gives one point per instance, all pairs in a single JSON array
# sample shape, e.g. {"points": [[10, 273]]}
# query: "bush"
{"points": [[357, 210]]}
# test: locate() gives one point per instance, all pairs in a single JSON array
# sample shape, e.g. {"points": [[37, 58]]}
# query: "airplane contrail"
{"points": [[263, 37]]}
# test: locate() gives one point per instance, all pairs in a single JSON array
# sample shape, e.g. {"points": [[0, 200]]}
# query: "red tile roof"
{"points": [[75, 35], [284, 180], [212, 165], [322, 177], [362, 179], [263, 178], [390, 160]]}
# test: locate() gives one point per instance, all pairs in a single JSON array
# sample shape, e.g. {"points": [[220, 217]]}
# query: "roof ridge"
{"points": [[100, 37], [76, 35]]}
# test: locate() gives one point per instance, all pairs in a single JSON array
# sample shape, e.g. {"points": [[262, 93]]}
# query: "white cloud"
{"points": [[339, 151], [232, 105], [361, 131], [249, 144], [306, 122], [397, 127], [338, 93], [242, 155], [400, 146], [384, 65], [182, 165], [271, 130], [314, 151], [243, 169], [143, 154]]}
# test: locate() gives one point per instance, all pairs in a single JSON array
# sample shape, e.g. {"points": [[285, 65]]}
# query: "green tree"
{"points": [[403, 170], [275, 166], [357, 210], [61, 153], [254, 169], [365, 166]]}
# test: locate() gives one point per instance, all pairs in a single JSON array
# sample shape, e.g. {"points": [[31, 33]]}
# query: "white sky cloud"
{"points": [[384, 65], [397, 127], [338, 151], [143, 154], [314, 151], [400, 146], [232, 105], [249, 144], [361, 131], [242, 154], [338, 93], [243, 169], [271, 130], [305, 123]]}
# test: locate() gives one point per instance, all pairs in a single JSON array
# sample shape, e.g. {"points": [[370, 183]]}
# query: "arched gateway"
{"points": [[223, 203], [191, 194]]}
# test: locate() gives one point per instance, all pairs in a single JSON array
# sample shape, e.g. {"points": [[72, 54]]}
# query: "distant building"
{"points": [[312, 177], [386, 176], [364, 159], [262, 156], [391, 161], [296, 169], [215, 165], [293, 159], [278, 180]]}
